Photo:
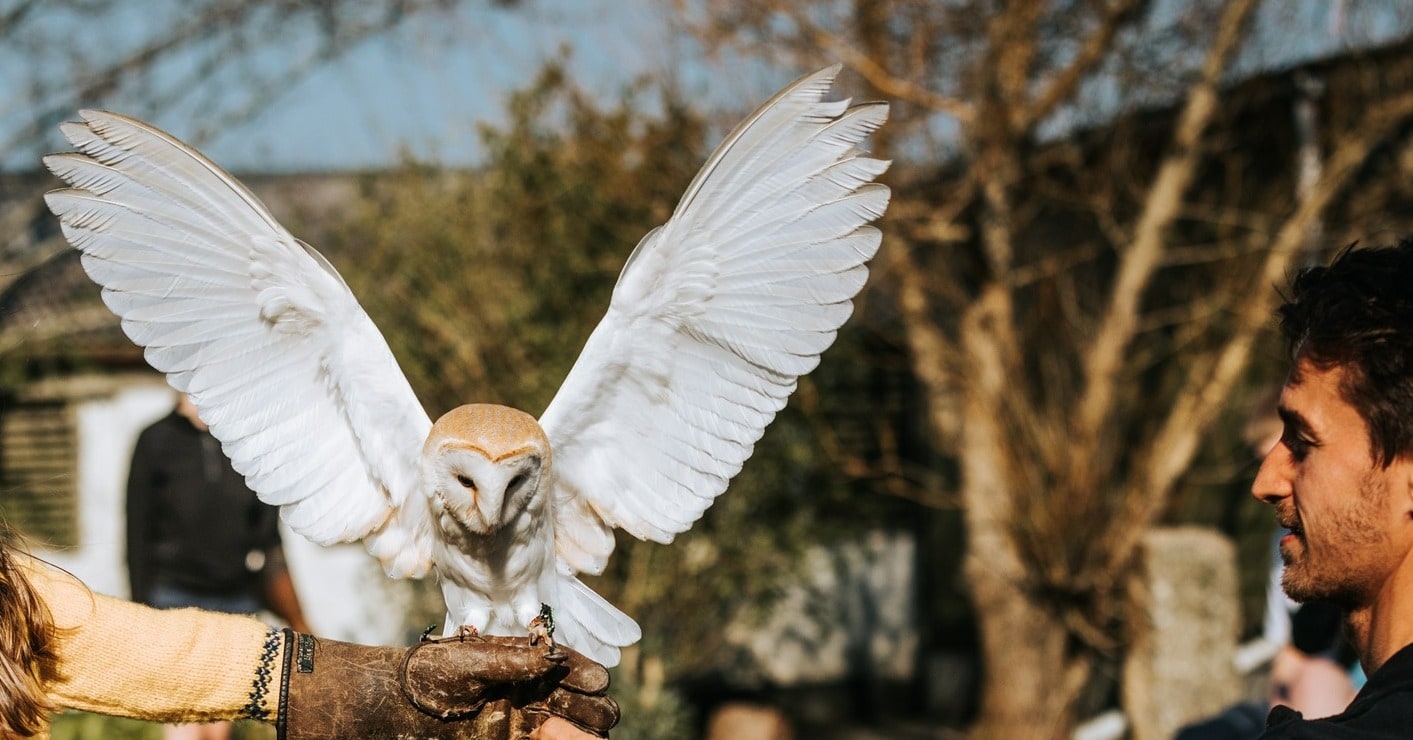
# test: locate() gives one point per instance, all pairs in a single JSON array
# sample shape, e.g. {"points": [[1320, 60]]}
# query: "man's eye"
{"points": [[1299, 446]]}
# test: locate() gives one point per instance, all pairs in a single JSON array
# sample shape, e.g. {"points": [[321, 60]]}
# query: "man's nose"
{"points": [[1272, 481]]}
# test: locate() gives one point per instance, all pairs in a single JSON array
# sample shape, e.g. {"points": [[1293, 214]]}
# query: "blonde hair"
{"points": [[27, 648]]}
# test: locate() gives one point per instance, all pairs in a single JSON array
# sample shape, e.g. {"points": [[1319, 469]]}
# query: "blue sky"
{"points": [[424, 87], [421, 88]]}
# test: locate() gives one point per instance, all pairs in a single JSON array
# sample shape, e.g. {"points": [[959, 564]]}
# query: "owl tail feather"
{"points": [[586, 622]]}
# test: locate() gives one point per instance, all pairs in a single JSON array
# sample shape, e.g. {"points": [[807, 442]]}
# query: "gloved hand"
{"points": [[495, 688]]}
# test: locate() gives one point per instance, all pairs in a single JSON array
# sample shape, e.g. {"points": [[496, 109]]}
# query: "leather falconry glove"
{"points": [[488, 688]]}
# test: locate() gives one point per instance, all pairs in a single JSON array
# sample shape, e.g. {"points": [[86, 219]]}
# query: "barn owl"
{"points": [[715, 316]]}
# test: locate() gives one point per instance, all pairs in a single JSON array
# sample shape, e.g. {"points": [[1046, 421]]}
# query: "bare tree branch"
{"points": [[879, 77], [1095, 49], [1104, 358]]}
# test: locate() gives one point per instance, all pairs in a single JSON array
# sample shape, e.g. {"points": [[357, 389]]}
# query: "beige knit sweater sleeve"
{"points": [[180, 665]]}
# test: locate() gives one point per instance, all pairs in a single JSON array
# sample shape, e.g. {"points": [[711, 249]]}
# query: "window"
{"points": [[38, 464]]}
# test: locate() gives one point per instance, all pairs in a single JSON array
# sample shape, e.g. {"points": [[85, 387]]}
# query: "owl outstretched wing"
{"points": [[257, 328], [714, 318]]}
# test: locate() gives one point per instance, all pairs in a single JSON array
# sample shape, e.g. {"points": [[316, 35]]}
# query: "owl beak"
{"points": [[518, 494], [490, 508]]}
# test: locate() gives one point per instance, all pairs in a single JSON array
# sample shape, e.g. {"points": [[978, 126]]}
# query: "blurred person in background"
{"points": [[198, 536]]}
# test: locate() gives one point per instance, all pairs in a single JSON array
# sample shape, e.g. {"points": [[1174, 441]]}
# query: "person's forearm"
{"points": [[183, 665]]}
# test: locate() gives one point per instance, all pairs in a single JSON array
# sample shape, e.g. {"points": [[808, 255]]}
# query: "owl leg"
{"points": [[469, 626]]}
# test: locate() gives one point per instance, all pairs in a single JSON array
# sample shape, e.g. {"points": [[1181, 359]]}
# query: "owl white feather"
{"points": [[716, 315]]}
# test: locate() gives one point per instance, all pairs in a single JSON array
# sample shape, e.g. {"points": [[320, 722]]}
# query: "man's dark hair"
{"points": [[1357, 314]]}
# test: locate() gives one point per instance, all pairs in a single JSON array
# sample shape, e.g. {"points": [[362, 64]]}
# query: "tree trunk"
{"points": [[1031, 680], [1020, 698]]}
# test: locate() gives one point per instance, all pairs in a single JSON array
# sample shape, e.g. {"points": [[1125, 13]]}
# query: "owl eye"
{"points": [[466, 482], [515, 482]]}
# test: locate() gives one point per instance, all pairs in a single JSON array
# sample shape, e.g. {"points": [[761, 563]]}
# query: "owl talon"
{"points": [[539, 634], [467, 632], [542, 630]]}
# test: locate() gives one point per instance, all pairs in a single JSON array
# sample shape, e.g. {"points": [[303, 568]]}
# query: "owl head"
{"points": [[484, 463]]}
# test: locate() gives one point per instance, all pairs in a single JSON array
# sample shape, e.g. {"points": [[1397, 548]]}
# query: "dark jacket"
{"points": [[191, 521]]}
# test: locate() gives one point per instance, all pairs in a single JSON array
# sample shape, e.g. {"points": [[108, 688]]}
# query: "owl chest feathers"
{"points": [[495, 582], [495, 562]]}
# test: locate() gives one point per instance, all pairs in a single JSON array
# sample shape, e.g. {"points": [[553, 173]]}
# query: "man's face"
{"points": [[1349, 517]]}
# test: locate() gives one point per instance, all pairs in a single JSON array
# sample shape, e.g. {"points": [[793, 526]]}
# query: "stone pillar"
{"points": [[1180, 665]]}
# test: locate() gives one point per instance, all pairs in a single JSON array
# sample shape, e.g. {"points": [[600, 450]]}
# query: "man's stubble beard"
{"points": [[1342, 574]]}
